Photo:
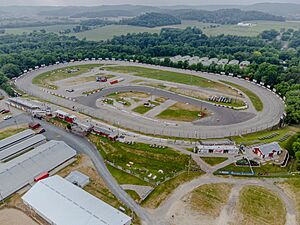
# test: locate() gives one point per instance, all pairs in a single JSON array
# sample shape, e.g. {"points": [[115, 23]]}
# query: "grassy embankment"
{"points": [[47, 79], [258, 205], [256, 101]]}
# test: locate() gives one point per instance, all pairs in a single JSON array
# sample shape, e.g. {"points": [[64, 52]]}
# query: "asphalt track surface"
{"points": [[221, 116], [270, 115]]}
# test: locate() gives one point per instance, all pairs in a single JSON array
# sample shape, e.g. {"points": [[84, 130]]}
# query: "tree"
{"points": [[11, 70]]}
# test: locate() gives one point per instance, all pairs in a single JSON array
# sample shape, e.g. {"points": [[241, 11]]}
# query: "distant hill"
{"points": [[291, 11], [152, 20], [224, 16], [100, 11]]}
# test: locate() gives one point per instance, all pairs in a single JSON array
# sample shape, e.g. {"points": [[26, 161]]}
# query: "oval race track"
{"points": [[224, 122]]}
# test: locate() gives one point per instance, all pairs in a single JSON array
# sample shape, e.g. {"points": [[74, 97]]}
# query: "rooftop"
{"points": [[63, 203], [15, 138]]}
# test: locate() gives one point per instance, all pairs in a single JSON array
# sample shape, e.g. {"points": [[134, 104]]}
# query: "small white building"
{"points": [[223, 149], [77, 178], [60, 202]]}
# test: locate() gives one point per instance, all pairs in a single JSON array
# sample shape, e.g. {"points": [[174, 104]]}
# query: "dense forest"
{"points": [[269, 63], [224, 16], [152, 20]]}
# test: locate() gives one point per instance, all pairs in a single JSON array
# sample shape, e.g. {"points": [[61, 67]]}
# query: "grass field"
{"points": [[213, 160], [257, 103], [163, 191], [4, 133], [108, 32], [142, 160], [125, 178], [265, 170], [53, 28], [166, 76], [46, 79], [141, 109], [182, 112], [265, 207], [133, 195], [292, 188], [254, 138], [209, 199]]}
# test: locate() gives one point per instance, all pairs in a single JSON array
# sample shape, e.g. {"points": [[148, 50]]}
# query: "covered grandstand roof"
{"points": [[61, 202], [22, 170]]}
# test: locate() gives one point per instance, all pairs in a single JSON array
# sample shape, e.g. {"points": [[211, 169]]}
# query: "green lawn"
{"points": [[46, 79], [5, 133], [125, 178], [257, 103], [143, 159], [265, 170], [214, 160], [166, 76], [133, 195], [260, 206], [254, 138], [182, 112], [141, 109], [163, 191]]}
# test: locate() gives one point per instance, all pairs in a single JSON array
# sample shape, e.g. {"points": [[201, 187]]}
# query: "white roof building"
{"points": [[17, 138], [61, 203], [21, 171], [78, 178]]}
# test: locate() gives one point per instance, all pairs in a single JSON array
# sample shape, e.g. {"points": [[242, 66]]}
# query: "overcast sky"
{"points": [[139, 2]]}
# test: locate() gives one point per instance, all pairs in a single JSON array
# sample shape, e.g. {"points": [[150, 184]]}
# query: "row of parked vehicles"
{"points": [[220, 99]]}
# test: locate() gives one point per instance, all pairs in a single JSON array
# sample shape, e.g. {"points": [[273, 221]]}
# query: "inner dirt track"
{"points": [[224, 122]]}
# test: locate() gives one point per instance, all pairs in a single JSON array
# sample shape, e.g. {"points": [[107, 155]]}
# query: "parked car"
{"points": [[40, 131], [7, 117], [3, 111]]}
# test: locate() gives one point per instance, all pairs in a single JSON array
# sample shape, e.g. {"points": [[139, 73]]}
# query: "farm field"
{"points": [[266, 207], [46, 79], [166, 76], [257, 103], [52, 28], [108, 32]]}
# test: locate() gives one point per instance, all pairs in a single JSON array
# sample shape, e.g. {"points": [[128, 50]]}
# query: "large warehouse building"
{"points": [[21, 171], [60, 202]]}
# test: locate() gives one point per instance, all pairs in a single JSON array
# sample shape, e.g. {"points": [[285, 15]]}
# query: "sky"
{"points": [[137, 2]]}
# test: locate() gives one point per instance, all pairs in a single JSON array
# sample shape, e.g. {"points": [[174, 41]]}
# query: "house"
{"points": [[65, 116], [243, 64], [234, 62], [268, 150]]}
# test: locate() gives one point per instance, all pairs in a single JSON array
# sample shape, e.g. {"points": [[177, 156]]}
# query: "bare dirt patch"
{"points": [[11, 216]]}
